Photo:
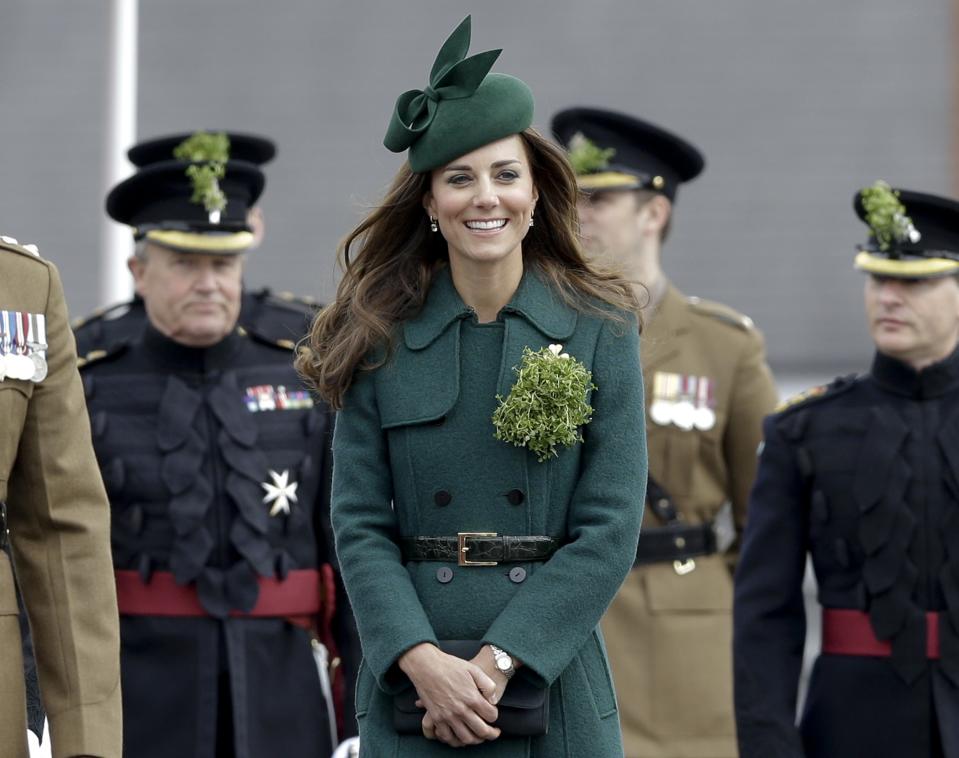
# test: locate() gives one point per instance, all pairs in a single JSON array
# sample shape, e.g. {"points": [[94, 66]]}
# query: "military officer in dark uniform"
{"points": [[280, 315], [669, 630], [863, 475], [216, 462]]}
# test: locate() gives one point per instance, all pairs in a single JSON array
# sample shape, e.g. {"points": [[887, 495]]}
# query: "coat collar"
{"points": [[533, 300], [933, 381]]}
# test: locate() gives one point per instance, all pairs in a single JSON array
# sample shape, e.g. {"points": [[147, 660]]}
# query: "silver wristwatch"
{"points": [[503, 662]]}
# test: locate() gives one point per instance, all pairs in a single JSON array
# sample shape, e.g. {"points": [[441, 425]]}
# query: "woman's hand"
{"points": [[456, 694], [485, 661]]}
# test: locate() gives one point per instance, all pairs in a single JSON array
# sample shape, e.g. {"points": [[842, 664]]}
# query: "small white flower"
{"points": [[564, 355], [556, 349]]}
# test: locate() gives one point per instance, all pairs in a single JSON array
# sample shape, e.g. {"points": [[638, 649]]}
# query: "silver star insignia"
{"points": [[280, 493]]}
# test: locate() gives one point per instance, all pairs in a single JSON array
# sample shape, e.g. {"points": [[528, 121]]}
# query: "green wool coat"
{"points": [[419, 426]]}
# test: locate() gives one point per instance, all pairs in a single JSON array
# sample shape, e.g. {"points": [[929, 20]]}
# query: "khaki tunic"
{"points": [[59, 531], [669, 636]]}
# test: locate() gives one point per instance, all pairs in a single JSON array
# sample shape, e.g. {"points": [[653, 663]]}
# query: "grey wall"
{"points": [[795, 104]]}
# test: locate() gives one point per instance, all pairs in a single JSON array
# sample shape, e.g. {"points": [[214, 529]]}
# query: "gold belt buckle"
{"points": [[462, 548]]}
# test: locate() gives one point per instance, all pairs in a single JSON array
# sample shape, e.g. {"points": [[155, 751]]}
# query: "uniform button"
{"points": [[444, 575], [98, 424], [517, 575], [515, 497], [442, 498]]}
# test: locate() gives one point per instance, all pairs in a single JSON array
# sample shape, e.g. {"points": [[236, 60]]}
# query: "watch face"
{"points": [[503, 663]]}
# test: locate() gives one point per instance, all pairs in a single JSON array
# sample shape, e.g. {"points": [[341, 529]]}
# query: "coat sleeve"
{"points": [[754, 396], [556, 609], [60, 528], [389, 615], [769, 615]]}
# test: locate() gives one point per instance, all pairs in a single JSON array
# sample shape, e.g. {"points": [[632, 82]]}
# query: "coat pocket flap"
{"points": [[708, 588], [420, 386]]}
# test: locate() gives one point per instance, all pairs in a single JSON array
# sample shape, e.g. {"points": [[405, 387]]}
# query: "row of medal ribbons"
{"points": [[684, 401], [23, 346]]}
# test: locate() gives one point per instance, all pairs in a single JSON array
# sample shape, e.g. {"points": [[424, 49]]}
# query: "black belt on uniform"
{"points": [[478, 548], [676, 542]]}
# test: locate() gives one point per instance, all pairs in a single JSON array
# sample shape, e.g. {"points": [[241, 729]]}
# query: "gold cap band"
{"points": [[905, 268], [609, 180], [197, 242]]}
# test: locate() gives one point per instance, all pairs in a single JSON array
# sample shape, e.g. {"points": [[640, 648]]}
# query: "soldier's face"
{"points": [[192, 298], [913, 320], [615, 225]]}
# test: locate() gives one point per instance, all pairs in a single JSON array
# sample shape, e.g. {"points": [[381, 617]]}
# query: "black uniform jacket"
{"points": [[186, 438], [865, 478]]}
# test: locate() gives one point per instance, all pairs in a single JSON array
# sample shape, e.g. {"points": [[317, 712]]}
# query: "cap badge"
{"points": [[208, 154], [586, 157], [886, 216]]}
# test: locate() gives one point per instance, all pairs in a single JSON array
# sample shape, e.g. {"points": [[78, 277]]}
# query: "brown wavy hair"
{"points": [[387, 281]]}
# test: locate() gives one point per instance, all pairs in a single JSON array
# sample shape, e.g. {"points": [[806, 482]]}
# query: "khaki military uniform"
{"points": [[58, 521], [669, 635]]}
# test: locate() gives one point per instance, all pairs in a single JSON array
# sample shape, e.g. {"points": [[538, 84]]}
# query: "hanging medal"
{"points": [[705, 417], [37, 344], [24, 366], [4, 345], [11, 365], [684, 411], [661, 409]]}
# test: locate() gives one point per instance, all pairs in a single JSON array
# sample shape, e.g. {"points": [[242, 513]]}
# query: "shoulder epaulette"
{"points": [[99, 314], [721, 313], [815, 394], [11, 245], [283, 344], [288, 300], [99, 355]]}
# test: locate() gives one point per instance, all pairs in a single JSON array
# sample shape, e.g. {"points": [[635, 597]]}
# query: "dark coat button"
{"points": [[515, 497], [517, 575], [444, 575], [442, 498]]}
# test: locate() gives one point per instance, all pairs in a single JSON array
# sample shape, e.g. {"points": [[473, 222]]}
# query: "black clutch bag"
{"points": [[523, 708]]}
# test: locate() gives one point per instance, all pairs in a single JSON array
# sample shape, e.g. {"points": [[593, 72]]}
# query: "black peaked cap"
{"points": [[158, 197], [642, 149]]}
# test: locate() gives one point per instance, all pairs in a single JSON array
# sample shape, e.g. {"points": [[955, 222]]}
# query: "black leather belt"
{"points": [[676, 542], [478, 548]]}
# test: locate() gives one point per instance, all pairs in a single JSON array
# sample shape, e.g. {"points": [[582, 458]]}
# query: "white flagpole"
{"points": [[116, 240]]}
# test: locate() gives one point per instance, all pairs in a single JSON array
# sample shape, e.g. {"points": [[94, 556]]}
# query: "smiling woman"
{"points": [[478, 569]]}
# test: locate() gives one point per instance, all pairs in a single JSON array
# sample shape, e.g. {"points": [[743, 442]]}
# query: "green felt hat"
{"points": [[462, 108]]}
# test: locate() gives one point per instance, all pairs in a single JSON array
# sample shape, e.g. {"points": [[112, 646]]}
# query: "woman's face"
{"points": [[483, 202]]}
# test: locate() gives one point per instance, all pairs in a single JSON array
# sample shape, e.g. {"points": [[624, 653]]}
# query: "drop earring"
{"points": [[433, 226], [530, 219]]}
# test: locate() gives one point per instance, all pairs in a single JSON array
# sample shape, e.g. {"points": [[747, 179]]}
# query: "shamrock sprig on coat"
{"points": [[547, 406]]}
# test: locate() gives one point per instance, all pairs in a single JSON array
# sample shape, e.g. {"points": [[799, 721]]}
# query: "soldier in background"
{"points": [[281, 315], [58, 521], [216, 462], [863, 476], [669, 630]]}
